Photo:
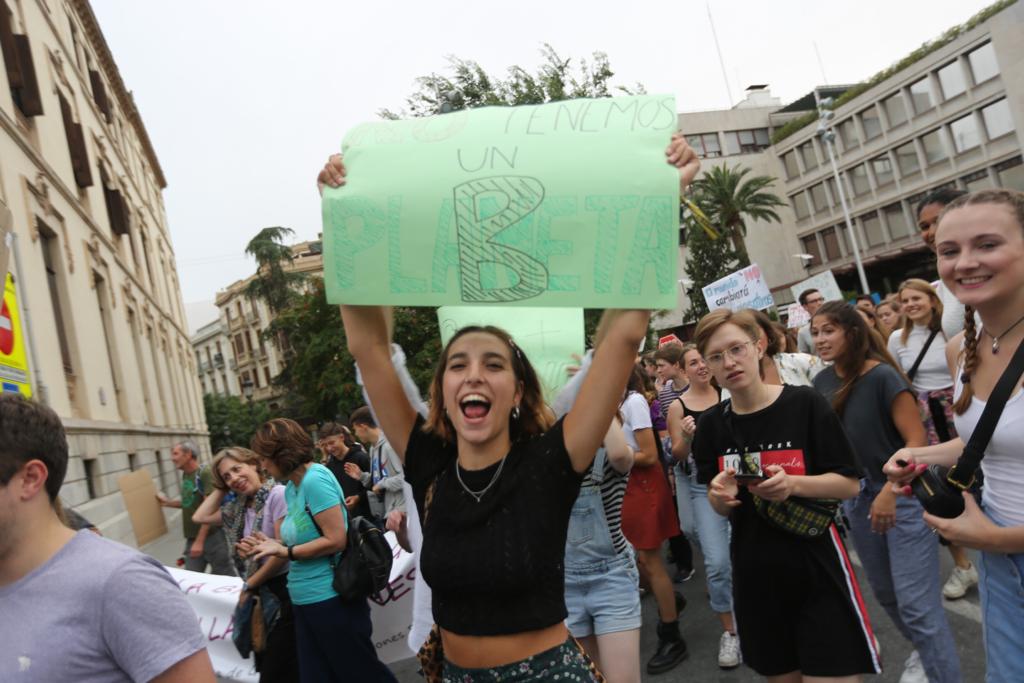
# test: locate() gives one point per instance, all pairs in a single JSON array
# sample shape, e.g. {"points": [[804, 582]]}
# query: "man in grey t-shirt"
{"points": [[77, 607]]}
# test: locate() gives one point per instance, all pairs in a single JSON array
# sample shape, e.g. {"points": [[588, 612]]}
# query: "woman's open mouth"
{"points": [[474, 407]]}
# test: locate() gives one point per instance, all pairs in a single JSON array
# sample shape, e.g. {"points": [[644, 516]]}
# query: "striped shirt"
{"points": [[613, 489], [668, 394]]}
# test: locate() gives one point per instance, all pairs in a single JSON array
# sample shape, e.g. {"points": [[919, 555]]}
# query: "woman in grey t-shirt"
{"points": [[898, 551]]}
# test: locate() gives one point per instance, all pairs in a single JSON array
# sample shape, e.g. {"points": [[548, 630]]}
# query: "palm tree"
{"points": [[274, 285], [730, 200]]}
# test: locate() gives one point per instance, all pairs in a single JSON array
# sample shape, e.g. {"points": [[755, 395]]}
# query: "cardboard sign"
{"points": [[745, 288], [14, 372], [796, 316], [213, 599], [824, 282], [144, 511], [548, 336], [6, 237], [562, 204]]}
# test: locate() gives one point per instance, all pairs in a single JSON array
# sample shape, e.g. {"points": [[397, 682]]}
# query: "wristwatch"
{"points": [[291, 553]]}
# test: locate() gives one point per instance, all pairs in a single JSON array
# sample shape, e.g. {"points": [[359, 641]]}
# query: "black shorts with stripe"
{"points": [[802, 610]]}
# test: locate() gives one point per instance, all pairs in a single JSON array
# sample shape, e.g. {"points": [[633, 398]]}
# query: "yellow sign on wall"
{"points": [[13, 360]]}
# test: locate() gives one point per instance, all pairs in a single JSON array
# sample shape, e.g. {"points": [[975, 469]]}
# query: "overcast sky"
{"points": [[245, 100]]}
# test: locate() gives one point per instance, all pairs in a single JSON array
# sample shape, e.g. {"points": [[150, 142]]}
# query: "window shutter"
{"points": [[27, 94], [99, 93], [117, 210], [76, 145], [7, 47]]}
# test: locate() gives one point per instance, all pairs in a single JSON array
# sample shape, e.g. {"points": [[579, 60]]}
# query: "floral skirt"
{"points": [[937, 415], [567, 662]]}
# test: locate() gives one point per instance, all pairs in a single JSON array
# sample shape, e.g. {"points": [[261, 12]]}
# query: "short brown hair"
{"points": [[670, 353], [238, 454], [534, 415], [710, 323], [284, 442], [31, 431], [774, 333], [363, 416]]}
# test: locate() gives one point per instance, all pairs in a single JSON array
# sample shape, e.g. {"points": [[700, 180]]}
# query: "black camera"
{"points": [[938, 494]]}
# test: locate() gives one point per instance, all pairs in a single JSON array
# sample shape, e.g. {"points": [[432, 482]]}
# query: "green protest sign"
{"points": [[548, 336], [566, 204]]}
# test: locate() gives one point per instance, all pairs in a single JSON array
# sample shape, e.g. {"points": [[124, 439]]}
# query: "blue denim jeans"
{"points": [[902, 567], [1002, 613], [711, 531]]}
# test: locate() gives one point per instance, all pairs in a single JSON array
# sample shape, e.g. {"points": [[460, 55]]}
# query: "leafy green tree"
{"points": [[729, 199], [274, 284], [232, 421]]}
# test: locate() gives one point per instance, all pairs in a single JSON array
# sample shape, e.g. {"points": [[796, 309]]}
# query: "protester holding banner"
{"points": [[601, 575], [980, 245], [258, 504], [897, 550], [798, 607], [698, 520], [332, 634]]}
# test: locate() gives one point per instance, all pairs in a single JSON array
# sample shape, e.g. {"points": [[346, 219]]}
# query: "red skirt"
{"points": [[648, 515]]}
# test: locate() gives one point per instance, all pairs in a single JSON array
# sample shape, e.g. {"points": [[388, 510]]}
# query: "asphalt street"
{"points": [[701, 629]]}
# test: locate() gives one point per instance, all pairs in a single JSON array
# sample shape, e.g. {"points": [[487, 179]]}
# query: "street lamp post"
{"points": [[827, 136]]}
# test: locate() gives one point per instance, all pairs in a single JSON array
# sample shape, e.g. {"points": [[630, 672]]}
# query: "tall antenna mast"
{"points": [[821, 64], [718, 48]]}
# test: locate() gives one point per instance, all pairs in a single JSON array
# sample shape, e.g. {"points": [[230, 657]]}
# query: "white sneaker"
{"points": [[729, 651], [960, 581], [913, 670]]}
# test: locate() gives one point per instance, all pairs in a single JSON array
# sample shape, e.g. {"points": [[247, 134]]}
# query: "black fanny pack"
{"points": [[940, 489]]}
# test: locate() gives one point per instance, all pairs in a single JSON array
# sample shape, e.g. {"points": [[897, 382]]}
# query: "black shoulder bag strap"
{"points": [[961, 475], [920, 357]]}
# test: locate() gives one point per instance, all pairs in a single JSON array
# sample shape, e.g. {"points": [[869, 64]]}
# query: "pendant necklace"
{"points": [[477, 495], [995, 337]]}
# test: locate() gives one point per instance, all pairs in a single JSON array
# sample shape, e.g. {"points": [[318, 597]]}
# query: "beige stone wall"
{"points": [[125, 380]]}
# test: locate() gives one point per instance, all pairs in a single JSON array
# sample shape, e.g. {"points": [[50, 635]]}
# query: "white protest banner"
{"points": [[796, 316], [746, 288], [824, 282], [213, 598]]}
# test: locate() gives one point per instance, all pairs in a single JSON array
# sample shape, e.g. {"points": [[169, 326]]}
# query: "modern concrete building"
{"points": [[246, 320], [98, 295], [215, 360], [952, 117]]}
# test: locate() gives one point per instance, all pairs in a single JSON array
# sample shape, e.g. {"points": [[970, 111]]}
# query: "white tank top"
{"points": [[1003, 464]]}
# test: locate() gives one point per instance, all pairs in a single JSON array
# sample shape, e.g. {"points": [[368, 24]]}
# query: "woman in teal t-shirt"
{"points": [[332, 635]]}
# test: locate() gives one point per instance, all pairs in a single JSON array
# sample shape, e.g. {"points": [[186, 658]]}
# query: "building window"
{"points": [[213, 383], [979, 180], [998, 121], [21, 70], [91, 477], [266, 375], [831, 242], [746, 141], [895, 110], [76, 144], [224, 383], [818, 197], [951, 80], [934, 149], [871, 123], [983, 63], [808, 156], [965, 133], [921, 95], [800, 205], [831, 184], [133, 462], [882, 168], [789, 162], [705, 144], [859, 179], [848, 134], [51, 257], [1011, 174], [872, 229], [99, 93], [810, 245], [896, 219], [906, 159]]}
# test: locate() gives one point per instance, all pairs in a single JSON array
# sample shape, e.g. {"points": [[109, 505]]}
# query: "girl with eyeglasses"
{"points": [[799, 611], [898, 552]]}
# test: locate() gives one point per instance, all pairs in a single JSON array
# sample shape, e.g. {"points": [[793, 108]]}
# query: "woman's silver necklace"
{"points": [[996, 337], [477, 495]]}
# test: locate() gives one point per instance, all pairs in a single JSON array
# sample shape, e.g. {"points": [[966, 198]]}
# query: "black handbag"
{"points": [[940, 489], [365, 566]]}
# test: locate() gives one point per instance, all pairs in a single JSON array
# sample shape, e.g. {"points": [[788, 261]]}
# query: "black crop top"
{"points": [[496, 566]]}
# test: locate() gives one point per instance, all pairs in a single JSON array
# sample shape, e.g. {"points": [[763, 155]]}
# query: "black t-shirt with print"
{"points": [[800, 432]]}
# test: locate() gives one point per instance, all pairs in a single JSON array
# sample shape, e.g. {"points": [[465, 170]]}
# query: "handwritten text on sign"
{"points": [[745, 288], [562, 204]]}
